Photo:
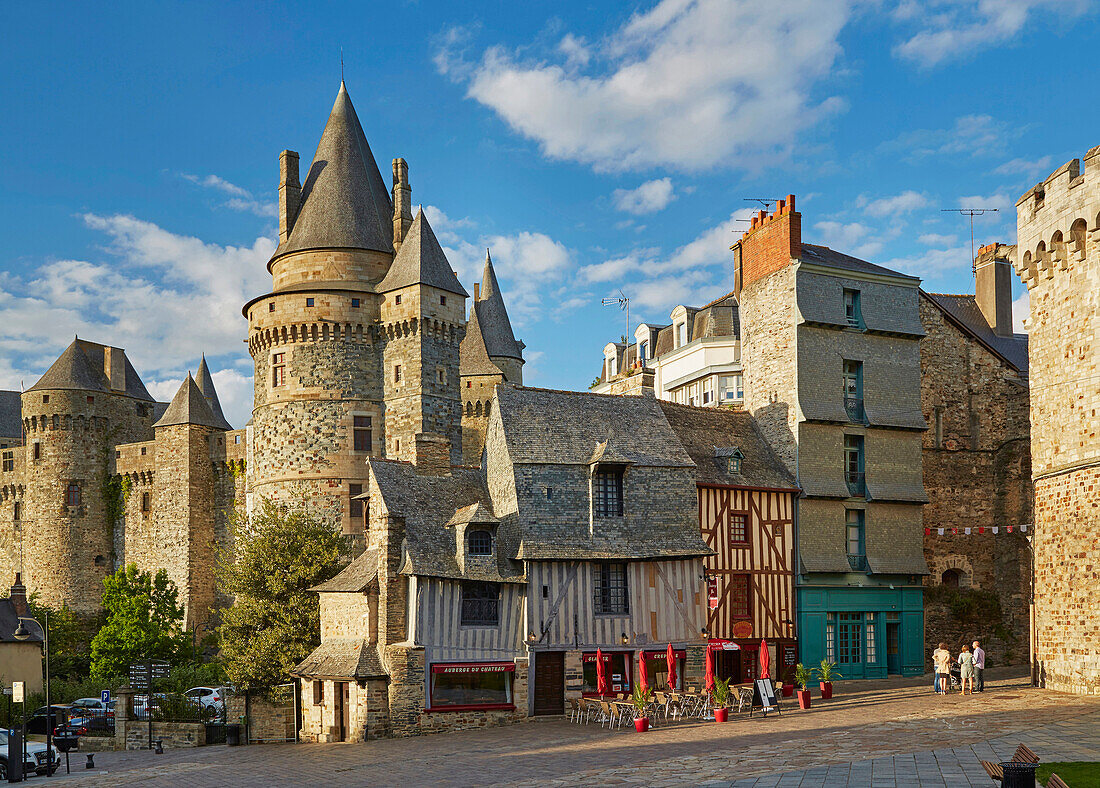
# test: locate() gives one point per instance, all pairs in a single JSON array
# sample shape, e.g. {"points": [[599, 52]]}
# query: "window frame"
{"points": [[7, 461], [73, 495], [853, 308], [355, 507], [611, 588], [471, 669], [359, 430], [744, 518], [855, 533], [608, 482], [477, 606], [470, 542], [278, 369], [744, 610]]}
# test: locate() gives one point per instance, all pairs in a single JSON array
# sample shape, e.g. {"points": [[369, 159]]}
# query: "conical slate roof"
{"points": [[420, 260], [345, 202], [76, 370], [189, 407], [493, 317], [473, 358], [206, 386]]}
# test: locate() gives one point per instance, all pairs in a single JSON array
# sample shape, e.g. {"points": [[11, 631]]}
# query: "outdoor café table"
{"points": [[625, 710]]}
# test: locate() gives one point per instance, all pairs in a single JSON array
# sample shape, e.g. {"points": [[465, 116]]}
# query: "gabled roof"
{"points": [[543, 426], [11, 414], [493, 317], [206, 385], [473, 358], [80, 368], [345, 203], [353, 578], [710, 436], [473, 513], [963, 312], [342, 658], [189, 407], [606, 452], [421, 261], [823, 255]]}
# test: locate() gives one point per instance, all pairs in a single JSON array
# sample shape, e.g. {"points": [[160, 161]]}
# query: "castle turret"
{"points": [[423, 322], [89, 400], [402, 202]]}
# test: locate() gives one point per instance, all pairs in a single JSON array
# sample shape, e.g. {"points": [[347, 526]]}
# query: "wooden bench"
{"points": [[994, 770], [1024, 754], [1056, 782]]}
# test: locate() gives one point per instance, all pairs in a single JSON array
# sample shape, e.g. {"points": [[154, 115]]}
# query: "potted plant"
{"points": [[787, 687], [826, 673], [721, 699], [802, 677], [641, 699]]}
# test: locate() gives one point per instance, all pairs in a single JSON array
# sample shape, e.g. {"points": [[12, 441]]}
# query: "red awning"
{"points": [[473, 667], [662, 656]]}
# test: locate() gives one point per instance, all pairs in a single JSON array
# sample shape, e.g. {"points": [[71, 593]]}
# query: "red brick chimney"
{"points": [[19, 597], [771, 243]]}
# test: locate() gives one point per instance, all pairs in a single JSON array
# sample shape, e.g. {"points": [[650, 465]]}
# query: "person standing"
{"points": [[966, 669], [979, 665], [941, 658]]}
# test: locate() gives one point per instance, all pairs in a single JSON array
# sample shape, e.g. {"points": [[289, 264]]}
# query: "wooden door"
{"points": [[549, 682], [341, 697]]}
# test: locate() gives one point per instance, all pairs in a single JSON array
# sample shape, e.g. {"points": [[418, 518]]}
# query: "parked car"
{"points": [[36, 723], [91, 714], [36, 761], [207, 696]]}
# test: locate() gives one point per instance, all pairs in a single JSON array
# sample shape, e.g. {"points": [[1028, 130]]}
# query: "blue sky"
{"points": [[592, 146]]}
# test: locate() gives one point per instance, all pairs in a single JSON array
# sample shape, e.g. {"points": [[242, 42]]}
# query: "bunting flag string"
{"points": [[995, 529]]}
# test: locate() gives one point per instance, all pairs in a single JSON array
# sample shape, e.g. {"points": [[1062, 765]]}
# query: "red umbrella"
{"points": [[602, 687], [643, 678], [710, 669], [670, 656], [765, 660]]}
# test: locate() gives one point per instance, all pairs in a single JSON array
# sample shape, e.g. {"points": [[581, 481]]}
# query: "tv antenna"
{"points": [[971, 212], [767, 202], [623, 302]]}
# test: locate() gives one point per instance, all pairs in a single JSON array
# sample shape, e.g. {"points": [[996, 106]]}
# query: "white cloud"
{"points": [[894, 206], [687, 84], [1021, 308], [970, 135], [650, 197], [934, 264], [956, 29], [937, 239], [235, 393], [849, 238], [163, 297], [1025, 169], [239, 198], [1000, 202], [575, 50]]}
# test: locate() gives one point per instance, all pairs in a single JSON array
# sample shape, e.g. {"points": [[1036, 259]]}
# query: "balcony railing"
{"points": [[858, 563], [853, 406], [857, 487]]}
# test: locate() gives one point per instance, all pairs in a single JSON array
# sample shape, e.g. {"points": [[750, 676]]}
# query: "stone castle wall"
{"points": [[1058, 258], [477, 397]]}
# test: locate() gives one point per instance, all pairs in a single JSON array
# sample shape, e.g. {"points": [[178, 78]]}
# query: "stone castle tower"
{"points": [[356, 348], [1058, 259]]}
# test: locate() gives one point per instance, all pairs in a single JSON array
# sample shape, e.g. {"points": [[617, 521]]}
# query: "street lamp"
{"points": [[22, 633]]}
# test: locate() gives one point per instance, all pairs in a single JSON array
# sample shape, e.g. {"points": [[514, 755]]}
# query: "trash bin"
{"points": [[233, 735], [1018, 774]]}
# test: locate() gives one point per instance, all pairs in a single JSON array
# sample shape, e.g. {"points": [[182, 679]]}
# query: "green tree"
{"points": [[144, 621], [274, 622]]}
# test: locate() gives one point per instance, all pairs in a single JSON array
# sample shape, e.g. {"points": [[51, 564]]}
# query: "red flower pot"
{"points": [[788, 690], [721, 715], [803, 699], [641, 724], [826, 690]]}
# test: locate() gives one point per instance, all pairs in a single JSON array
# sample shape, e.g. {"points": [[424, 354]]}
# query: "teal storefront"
{"points": [[869, 632]]}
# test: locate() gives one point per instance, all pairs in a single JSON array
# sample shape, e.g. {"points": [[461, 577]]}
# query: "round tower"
{"points": [[90, 400], [314, 339], [1058, 258]]}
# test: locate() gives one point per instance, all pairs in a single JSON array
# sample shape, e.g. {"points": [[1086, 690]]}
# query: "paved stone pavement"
{"points": [[895, 733]]}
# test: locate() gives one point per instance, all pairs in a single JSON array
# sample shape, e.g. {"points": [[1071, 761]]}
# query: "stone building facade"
{"points": [[977, 464], [831, 350], [1058, 259]]}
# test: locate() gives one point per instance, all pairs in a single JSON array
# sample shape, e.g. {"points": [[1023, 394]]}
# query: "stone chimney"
{"points": [[290, 193], [114, 365], [402, 202], [19, 597], [433, 454], [771, 243], [477, 291], [993, 287]]}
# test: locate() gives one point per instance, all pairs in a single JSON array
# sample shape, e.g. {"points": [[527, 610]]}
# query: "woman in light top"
{"points": [[941, 658], [966, 669]]}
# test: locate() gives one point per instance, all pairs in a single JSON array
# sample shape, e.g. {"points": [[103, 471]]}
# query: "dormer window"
{"points": [[607, 491], [734, 464], [730, 457], [853, 311], [681, 334], [479, 542], [643, 352]]}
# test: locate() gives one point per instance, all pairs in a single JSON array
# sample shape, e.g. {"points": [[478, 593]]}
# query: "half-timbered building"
{"points": [[746, 507]]}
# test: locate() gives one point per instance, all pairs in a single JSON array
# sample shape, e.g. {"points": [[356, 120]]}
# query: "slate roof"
{"points": [[473, 358], [823, 255], [353, 578], [963, 312], [702, 431], [206, 385], [11, 414], [564, 427], [421, 261], [345, 203], [189, 406], [493, 317], [9, 622], [342, 658], [428, 504], [80, 368]]}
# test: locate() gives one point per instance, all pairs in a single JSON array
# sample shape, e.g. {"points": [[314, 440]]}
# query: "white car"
{"points": [[207, 696], [36, 757]]}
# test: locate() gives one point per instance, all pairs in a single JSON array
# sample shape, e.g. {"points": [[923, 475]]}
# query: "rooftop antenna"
{"points": [[767, 202], [623, 302], [971, 212], [341, 65]]}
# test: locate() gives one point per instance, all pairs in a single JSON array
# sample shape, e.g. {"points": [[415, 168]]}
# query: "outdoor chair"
{"points": [[744, 698], [575, 710], [1024, 754], [1054, 781], [994, 770]]}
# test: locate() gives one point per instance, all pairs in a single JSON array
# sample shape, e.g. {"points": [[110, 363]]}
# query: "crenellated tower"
{"points": [[1057, 257]]}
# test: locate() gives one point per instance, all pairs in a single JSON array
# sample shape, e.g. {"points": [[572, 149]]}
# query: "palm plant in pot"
{"points": [[721, 699], [802, 677], [826, 672], [641, 699], [788, 683]]}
